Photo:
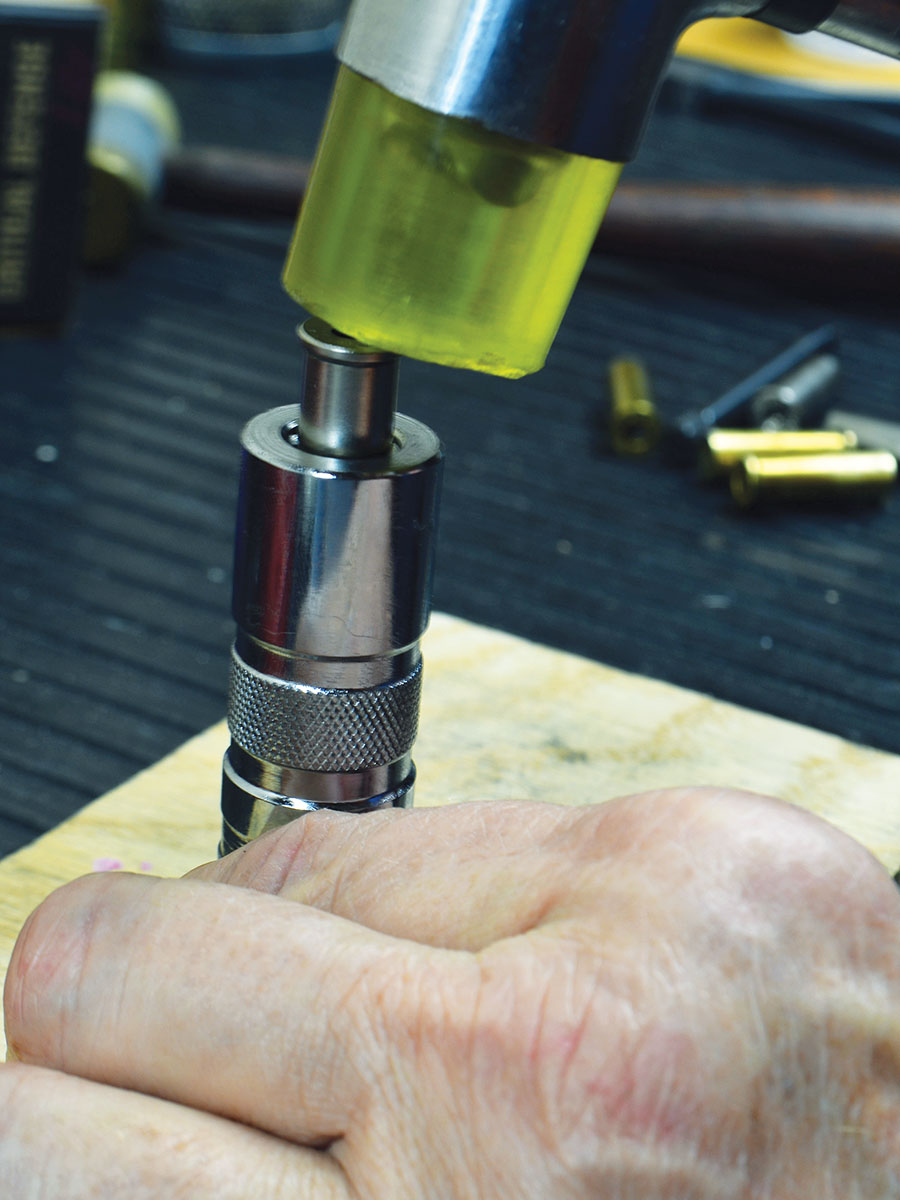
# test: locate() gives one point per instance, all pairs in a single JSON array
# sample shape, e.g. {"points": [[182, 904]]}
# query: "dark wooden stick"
{"points": [[235, 182], [831, 237], [842, 238]]}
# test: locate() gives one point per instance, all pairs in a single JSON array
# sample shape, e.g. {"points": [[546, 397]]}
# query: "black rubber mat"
{"points": [[118, 467]]}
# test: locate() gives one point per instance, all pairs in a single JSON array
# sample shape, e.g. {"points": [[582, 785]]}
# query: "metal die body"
{"points": [[332, 585]]}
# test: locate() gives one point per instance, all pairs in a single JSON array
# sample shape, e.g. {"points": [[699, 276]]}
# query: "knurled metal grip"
{"points": [[322, 729]]}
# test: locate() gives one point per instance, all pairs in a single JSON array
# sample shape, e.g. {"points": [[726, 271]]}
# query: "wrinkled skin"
{"points": [[690, 995]]}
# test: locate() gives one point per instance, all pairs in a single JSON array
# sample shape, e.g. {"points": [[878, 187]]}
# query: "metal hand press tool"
{"points": [[466, 162], [333, 564]]}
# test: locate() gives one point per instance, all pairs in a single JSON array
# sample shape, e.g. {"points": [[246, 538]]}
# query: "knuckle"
{"points": [[281, 859], [306, 859], [764, 846], [789, 855]]}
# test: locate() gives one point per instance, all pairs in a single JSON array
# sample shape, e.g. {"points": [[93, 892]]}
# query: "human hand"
{"points": [[690, 995]]}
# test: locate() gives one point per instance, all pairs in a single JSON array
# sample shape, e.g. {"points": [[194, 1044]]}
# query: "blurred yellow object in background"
{"points": [[126, 31], [812, 59], [134, 127]]}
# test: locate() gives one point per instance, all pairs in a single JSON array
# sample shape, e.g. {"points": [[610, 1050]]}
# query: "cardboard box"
{"points": [[47, 64]]}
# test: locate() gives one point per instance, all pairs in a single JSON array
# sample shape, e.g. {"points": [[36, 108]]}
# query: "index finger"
{"points": [[221, 999]]}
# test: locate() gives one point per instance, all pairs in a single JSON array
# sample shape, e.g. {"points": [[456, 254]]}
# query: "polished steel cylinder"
{"points": [[332, 587], [725, 448], [798, 397], [730, 409], [349, 395], [856, 476]]}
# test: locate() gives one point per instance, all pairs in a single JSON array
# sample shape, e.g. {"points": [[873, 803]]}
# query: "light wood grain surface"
{"points": [[500, 717]]}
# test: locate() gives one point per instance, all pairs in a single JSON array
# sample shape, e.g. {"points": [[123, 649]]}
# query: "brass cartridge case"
{"points": [[854, 476], [724, 448], [634, 424]]}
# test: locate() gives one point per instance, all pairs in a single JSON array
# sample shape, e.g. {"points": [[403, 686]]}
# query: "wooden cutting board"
{"points": [[501, 717]]}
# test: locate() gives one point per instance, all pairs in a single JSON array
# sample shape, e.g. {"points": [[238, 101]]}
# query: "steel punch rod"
{"points": [[334, 553]]}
